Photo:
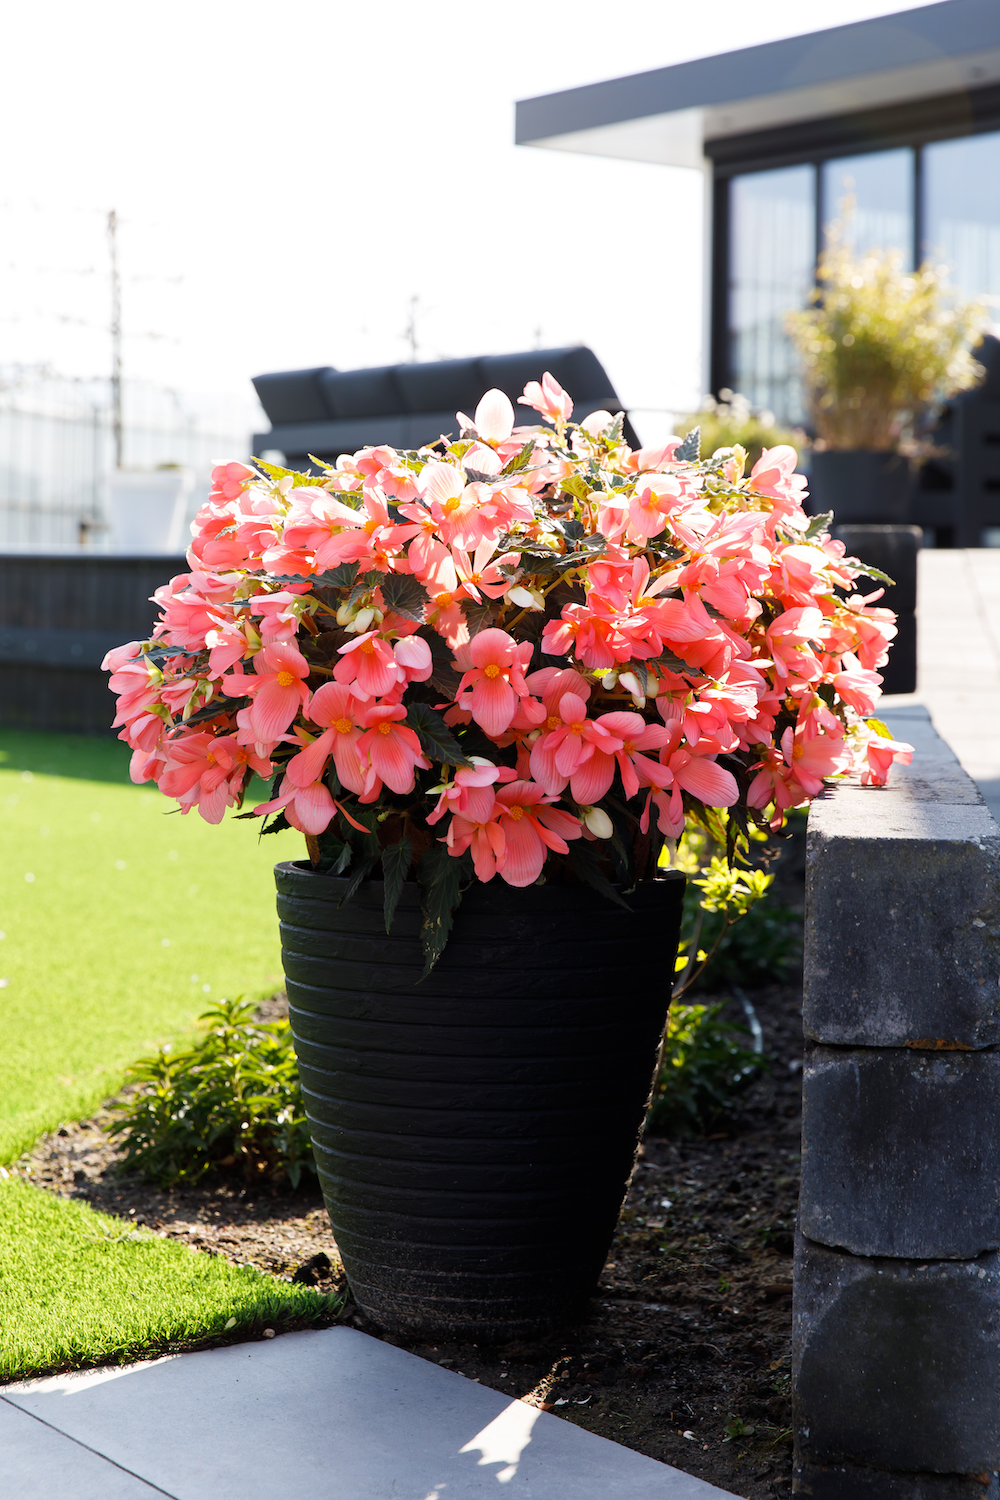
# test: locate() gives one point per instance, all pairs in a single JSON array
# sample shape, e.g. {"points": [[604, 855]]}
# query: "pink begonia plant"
{"points": [[528, 649]]}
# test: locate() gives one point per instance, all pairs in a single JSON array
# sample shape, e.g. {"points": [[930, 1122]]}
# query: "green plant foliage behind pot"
{"points": [[231, 1103], [705, 1066], [731, 420]]}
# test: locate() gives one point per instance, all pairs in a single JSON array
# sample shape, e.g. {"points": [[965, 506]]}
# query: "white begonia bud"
{"points": [[345, 614], [631, 684], [597, 820], [652, 686], [522, 597], [609, 680], [361, 621]]}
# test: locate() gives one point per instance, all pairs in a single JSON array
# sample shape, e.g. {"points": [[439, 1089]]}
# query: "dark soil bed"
{"points": [[684, 1353]]}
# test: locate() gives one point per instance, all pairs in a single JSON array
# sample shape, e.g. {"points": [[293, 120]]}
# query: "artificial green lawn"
{"points": [[120, 924], [80, 1288]]}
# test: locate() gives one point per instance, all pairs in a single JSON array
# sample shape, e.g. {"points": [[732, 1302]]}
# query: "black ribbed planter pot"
{"points": [[475, 1132]]}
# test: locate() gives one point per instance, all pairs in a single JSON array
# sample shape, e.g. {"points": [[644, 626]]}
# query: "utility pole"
{"points": [[116, 338], [411, 330]]}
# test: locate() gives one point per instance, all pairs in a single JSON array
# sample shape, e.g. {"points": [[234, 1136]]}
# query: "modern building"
{"points": [[900, 115]]}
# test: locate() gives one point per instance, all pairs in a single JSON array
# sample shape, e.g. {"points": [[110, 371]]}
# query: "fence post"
{"points": [[896, 1318]]}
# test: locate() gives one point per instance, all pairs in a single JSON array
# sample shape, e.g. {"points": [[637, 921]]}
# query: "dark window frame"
{"points": [[813, 142]]}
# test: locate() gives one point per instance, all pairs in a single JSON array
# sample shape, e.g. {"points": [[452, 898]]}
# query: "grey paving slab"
{"points": [[38, 1463], [336, 1415]]}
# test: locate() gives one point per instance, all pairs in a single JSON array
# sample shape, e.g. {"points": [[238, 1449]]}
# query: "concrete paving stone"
{"points": [[896, 1363], [336, 1415], [38, 1463], [900, 1151]]}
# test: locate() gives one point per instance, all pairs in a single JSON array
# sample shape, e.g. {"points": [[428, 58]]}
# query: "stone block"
{"points": [[895, 1366], [901, 1152], [903, 907], [843, 1482]]}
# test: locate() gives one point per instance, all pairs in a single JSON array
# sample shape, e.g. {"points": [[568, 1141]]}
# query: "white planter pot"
{"points": [[147, 510]]}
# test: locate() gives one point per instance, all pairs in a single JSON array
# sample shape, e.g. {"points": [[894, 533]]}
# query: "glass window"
{"points": [[962, 210], [772, 263], [871, 198]]}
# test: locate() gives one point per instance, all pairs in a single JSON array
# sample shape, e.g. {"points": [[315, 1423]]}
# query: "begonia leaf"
{"points": [[396, 861], [436, 739], [442, 877], [689, 451], [405, 595]]}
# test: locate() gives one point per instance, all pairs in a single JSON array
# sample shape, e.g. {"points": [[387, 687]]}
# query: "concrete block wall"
{"points": [[896, 1318]]}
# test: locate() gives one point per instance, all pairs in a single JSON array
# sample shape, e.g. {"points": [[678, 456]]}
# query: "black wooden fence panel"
{"points": [[59, 615]]}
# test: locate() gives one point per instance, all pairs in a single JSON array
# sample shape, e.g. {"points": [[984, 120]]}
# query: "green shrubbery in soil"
{"points": [[705, 1066], [229, 1104]]}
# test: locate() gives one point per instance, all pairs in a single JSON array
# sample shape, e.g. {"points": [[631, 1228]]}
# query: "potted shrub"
{"points": [[880, 349], [493, 680]]}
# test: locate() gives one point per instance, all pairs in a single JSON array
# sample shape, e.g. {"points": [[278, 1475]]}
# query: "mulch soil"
{"points": [[684, 1351]]}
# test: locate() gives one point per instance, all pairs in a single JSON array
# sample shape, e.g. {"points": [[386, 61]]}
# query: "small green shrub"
{"points": [[704, 1067], [732, 420], [232, 1103]]}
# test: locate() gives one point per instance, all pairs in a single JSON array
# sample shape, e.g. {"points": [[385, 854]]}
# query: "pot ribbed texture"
{"points": [[475, 1130]]}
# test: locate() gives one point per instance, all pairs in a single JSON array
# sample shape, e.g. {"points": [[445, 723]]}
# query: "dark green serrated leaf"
{"points": [[689, 451], [340, 577], [572, 529], [396, 861], [519, 461], [583, 861], [593, 547], [436, 739], [278, 824], [867, 571], [275, 471], [817, 525], [479, 617], [405, 595], [612, 435], [441, 879], [576, 486], [365, 865], [365, 585]]}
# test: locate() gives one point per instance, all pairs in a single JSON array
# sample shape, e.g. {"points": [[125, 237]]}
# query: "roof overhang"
{"points": [[671, 114]]}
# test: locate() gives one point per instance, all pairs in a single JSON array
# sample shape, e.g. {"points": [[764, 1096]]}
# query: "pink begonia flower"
{"points": [[880, 753], [280, 618], [453, 503], [137, 684], [496, 679], [116, 659], [593, 778], [791, 775], [549, 398], [307, 808], [594, 641], [479, 575], [478, 829], [494, 419], [335, 708], [229, 480], [655, 500], [471, 793], [774, 475], [278, 690], [393, 751], [559, 752], [368, 664], [788, 638], [227, 645], [414, 662], [530, 826], [207, 771], [690, 772]]}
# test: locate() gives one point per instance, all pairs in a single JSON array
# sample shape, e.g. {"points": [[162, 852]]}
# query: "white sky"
{"points": [[289, 175]]}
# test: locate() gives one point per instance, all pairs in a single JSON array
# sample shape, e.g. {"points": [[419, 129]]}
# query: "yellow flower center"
{"points": [[579, 726], [385, 727], [452, 504], [552, 722], [371, 526], [629, 747], [210, 758], [343, 726], [442, 600], [517, 813], [369, 648], [492, 670], [285, 679], [798, 751]]}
